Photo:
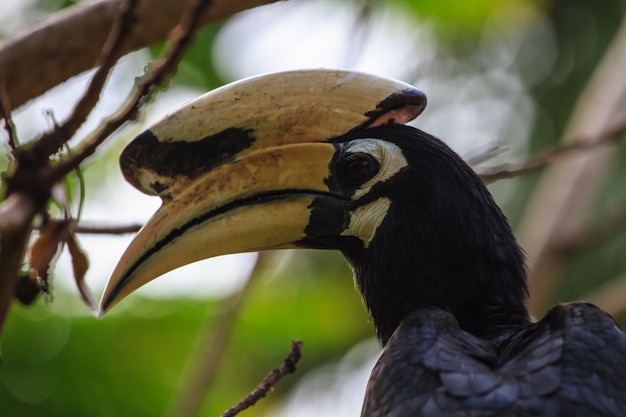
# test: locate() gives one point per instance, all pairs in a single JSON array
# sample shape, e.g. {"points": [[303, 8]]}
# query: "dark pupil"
{"points": [[359, 167]]}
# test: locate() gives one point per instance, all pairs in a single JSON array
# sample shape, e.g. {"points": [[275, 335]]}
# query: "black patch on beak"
{"points": [[397, 100], [190, 159]]}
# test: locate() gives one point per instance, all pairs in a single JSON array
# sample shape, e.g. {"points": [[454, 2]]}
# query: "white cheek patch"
{"points": [[388, 155], [365, 220]]}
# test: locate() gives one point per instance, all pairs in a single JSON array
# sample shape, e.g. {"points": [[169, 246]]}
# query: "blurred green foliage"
{"points": [[463, 20], [583, 31], [57, 360], [197, 70]]}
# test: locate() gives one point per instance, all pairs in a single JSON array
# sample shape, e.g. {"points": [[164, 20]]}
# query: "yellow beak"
{"points": [[239, 168]]}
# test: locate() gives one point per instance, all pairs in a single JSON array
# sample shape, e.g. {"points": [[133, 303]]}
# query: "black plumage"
{"points": [[445, 283], [568, 364]]}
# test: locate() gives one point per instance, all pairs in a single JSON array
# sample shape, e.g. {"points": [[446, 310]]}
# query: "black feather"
{"points": [[568, 364], [445, 283]]}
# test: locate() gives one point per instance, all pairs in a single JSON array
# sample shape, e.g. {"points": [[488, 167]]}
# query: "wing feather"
{"points": [[571, 363]]}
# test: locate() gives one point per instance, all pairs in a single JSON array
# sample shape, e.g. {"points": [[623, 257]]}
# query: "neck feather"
{"points": [[471, 267]]}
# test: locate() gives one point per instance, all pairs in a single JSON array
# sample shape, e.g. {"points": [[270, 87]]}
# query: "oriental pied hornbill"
{"points": [[322, 159]]}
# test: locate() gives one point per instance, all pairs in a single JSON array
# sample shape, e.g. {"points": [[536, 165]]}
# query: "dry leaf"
{"points": [[44, 249], [26, 289], [80, 265]]}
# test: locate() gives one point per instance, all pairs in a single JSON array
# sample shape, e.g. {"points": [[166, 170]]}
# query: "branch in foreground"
{"points": [[29, 186], [70, 40], [106, 230], [112, 50], [159, 72], [542, 160], [289, 367], [16, 214], [5, 114]]}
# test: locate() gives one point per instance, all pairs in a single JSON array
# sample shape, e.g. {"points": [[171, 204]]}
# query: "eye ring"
{"points": [[357, 168]]}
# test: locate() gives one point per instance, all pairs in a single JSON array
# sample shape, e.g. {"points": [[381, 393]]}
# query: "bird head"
{"points": [[317, 159]]}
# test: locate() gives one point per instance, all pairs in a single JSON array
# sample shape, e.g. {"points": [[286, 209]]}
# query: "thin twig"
{"points": [[92, 229], [16, 214], [113, 48], [86, 23], [5, 114], [542, 160], [289, 367], [482, 154], [106, 230], [157, 74]]}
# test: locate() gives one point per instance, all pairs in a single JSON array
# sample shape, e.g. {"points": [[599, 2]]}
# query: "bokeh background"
{"points": [[503, 79]]}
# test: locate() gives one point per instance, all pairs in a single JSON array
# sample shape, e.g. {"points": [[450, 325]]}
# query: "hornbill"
{"points": [[323, 159]]}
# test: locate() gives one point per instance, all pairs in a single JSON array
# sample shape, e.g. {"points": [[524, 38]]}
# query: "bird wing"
{"points": [[430, 367], [592, 363], [572, 363]]}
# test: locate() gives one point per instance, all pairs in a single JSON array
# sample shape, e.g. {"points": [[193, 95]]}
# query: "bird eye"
{"points": [[358, 167]]}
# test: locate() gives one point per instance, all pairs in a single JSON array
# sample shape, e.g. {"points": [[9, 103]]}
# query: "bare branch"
{"points": [[510, 170], [5, 114], [16, 214], [106, 230], [157, 73], [289, 367], [71, 39], [100, 229], [124, 23]]}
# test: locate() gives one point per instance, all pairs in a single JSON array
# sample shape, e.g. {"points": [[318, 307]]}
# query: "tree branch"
{"points": [[29, 185], [16, 214], [289, 367], [106, 230], [112, 50], [158, 73], [32, 176], [610, 135], [68, 42], [5, 114]]}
